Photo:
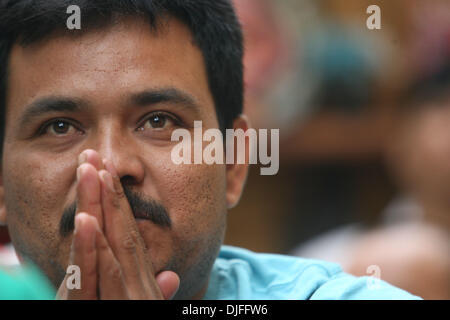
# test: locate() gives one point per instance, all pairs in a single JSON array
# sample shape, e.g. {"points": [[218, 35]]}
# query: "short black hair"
{"points": [[213, 23]]}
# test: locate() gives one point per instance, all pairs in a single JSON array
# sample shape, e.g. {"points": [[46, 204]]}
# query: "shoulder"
{"points": [[242, 274]]}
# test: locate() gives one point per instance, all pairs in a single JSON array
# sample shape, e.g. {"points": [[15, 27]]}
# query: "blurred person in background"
{"points": [[411, 247], [344, 97], [314, 80], [411, 244], [273, 99], [333, 153]]}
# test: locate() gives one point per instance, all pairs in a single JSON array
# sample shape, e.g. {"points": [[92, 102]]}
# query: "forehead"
{"points": [[109, 62]]}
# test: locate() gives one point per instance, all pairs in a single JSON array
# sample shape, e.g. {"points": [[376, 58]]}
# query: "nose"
{"points": [[119, 146]]}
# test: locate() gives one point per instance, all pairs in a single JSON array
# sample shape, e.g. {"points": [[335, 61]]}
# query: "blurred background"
{"points": [[364, 119]]}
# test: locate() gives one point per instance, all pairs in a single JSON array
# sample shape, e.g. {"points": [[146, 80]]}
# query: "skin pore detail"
{"points": [[107, 84]]}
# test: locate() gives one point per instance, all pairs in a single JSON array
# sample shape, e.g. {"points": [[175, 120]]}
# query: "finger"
{"points": [[168, 282], [82, 255], [89, 192], [111, 282], [115, 199], [92, 157], [125, 237]]}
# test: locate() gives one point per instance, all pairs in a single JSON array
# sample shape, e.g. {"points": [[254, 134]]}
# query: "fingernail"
{"points": [[107, 178], [82, 158]]}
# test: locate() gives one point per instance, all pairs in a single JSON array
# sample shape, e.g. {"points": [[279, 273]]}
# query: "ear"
{"points": [[237, 173], [2, 202]]}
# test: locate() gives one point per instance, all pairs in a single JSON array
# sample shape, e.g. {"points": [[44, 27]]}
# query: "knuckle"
{"points": [[118, 187], [103, 246], [129, 244], [116, 202], [115, 273], [134, 235], [120, 194]]}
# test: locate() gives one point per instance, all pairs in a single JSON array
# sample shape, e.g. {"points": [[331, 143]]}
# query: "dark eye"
{"points": [[59, 128], [158, 121]]}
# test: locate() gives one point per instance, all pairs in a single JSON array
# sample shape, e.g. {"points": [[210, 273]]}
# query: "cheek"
{"points": [[194, 195], [41, 184], [36, 192]]}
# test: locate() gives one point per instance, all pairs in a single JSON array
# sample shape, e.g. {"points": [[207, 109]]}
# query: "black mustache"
{"points": [[142, 207]]}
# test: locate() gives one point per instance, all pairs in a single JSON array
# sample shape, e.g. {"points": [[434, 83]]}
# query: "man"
{"points": [[87, 177], [414, 234], [417, 221]]}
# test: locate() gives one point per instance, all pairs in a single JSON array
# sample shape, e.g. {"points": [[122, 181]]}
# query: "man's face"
{"points": [[103, 79]]}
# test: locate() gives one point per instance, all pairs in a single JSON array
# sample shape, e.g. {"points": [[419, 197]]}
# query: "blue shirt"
{"points": [[240, 274], [25, 283]]}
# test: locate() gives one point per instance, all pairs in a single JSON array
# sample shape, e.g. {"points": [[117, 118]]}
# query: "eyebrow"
{"points": [[49, 105], [144, 98], [171, 95]]}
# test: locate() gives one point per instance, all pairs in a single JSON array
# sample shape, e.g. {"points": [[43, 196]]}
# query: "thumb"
{"points": [[168, 282]]}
